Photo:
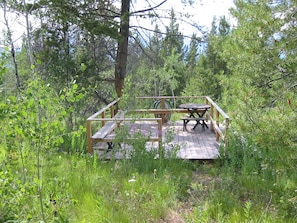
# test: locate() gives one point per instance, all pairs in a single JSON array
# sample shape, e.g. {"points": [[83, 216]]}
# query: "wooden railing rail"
{"points": [[215, 116], [119, 120], [163, 98], [168, 97], [112, 107], [100, 116]]}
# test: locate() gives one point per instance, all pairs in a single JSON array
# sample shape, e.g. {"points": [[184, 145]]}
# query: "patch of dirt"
{"points": [[172, 217], [198, 190]]}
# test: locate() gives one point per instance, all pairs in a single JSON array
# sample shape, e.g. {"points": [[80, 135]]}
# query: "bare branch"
{"points": [[12, 50], [151, 58], [149, 9], [164, 33]]}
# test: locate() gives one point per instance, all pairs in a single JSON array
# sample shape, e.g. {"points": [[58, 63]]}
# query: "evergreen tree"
{"points": [[173, 40], [155, 48], [259, 51], [192, 55], [260, 93], [210, 66]]}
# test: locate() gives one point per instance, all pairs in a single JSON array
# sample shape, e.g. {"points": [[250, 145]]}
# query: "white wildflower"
{"points": [[132, 180]]}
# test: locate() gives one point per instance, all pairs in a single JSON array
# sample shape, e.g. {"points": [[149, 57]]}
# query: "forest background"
{"points": [[84, 55]]}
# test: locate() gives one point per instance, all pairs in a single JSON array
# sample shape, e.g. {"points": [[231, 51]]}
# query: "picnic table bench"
{"points": [[198, 120], [106, 132], [109, 126]]}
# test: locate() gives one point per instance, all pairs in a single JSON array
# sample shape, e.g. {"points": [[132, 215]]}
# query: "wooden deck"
{"points": [[198, 144]]}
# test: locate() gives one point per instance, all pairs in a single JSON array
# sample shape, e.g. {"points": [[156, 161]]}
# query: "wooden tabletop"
{"points": [[194, 106]]}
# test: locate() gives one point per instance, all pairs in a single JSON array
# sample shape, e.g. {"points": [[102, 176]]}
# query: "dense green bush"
{"points": [[33, 128]]}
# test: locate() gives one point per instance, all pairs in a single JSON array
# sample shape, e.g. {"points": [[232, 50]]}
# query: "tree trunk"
{"points": [[12, 50], [122, 52]]}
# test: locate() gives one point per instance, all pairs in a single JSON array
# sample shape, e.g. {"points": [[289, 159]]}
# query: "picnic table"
{"points": [[196, 113]]}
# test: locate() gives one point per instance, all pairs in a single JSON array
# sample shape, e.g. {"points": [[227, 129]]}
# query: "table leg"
{"points": [[202, 121], [109, 146], [185, 124], [191, 115], [197, 122]]}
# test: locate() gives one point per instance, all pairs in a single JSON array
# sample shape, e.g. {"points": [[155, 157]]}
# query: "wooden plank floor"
{"points": [[198, 144]]}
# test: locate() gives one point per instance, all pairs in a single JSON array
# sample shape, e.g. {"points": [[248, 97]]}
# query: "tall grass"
{"points": [[114, 191], [82, 188]]}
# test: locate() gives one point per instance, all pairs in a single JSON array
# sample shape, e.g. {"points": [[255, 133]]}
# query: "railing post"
{"points": [[103, 116], [211, 115], [218, 124], [111, 111], [89, 135], [163, 107], [116, 109], [226, 131], [161, 152]]}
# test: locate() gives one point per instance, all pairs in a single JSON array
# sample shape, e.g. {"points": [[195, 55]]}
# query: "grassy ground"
{"points": [[81, 188], [118, 191]]}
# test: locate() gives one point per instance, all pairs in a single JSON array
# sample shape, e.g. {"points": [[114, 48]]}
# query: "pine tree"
{"points": [[210, 66]]}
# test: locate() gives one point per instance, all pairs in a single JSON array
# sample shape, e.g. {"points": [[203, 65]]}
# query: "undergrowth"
{"points": [[45, 175]]}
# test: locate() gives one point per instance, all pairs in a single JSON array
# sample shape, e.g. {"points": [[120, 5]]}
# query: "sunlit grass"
{"points": [[82, 188], [116, 191]]}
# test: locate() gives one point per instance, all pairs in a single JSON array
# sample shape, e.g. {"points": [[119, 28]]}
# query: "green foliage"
{"points": [[121, 194], [44, 175], [14, 192], [260, 99], [159, 69], [205, 77], [257, 94], [192, 56], [2, 68], [261, 171], [82, 189], [165, 80], [71, 35], [173, 41], [34, 127], [257, 166], [30, 117], [256, 49]]}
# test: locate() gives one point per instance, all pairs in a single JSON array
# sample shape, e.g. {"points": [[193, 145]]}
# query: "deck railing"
{"points": [[111, 108], [215, 115], [108, 114], [219, 120]]}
